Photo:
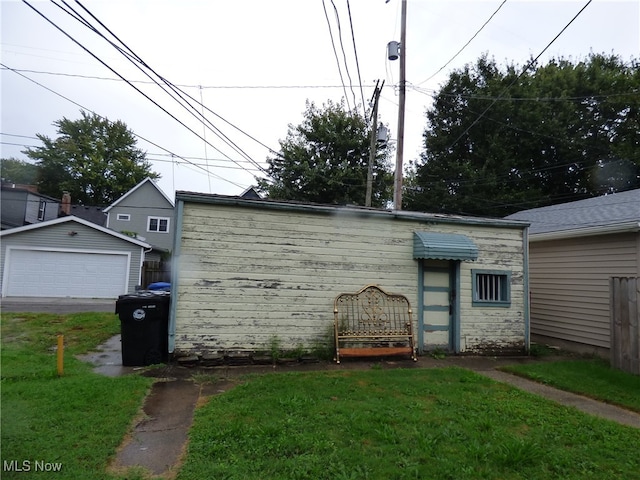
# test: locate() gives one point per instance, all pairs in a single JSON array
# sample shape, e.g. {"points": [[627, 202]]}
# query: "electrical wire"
{"points": [[344, 55], [355, 52], [529, 65], [335, 53], [135, 59], [194, 110], [104, 118], [115, 72], [466, 44], [204, 87]]}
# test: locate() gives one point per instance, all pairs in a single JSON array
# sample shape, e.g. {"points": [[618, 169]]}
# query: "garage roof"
{"points": [[80, 221]]}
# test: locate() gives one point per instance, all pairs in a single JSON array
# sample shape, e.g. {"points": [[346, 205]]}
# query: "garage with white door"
{"points": [[69, 257]]}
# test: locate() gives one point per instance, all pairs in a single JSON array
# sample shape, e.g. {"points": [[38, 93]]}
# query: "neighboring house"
{"points": [[575, 248], [21, 205], [249, 271], [144, 212], [69, 257]]}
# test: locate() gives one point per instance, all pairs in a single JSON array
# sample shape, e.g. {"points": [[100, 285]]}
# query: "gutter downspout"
{"points": [[527, 293], [174, 274]]}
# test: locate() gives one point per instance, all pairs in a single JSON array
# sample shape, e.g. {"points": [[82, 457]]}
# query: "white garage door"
{"points": [[40, 273]]}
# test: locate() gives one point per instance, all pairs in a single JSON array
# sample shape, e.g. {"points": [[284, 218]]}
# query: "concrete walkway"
{"points": [[584, 404], [158, 438]]}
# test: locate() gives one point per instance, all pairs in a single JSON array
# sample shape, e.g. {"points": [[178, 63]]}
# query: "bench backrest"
{"points": [[371, 312]]}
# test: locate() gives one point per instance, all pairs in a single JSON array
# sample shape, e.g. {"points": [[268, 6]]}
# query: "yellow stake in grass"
{"points": [[60, 355]]}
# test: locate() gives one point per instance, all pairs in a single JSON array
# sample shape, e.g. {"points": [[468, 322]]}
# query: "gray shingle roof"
{"points": [[604, 211]]}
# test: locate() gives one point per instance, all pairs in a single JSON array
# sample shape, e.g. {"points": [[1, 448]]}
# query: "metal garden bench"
{"points": [[372, 322]]}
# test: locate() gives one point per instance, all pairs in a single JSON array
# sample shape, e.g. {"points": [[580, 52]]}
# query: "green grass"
{"points": [[377, 424], [593, 378], [400, 424], [77, 420]]}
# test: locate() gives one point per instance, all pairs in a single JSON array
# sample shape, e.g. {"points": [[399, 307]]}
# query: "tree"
{"points": [[325, 160], [94, 159], [18, 171], [560, 132]]}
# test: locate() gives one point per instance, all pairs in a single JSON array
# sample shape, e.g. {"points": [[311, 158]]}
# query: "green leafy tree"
{"points": [[92, 158], [562, 131], [18, 171], [325, 159]]}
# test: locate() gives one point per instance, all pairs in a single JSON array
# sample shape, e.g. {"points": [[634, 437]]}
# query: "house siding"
{"points": [[142, 203], [245, 275], [20, 207], [55, 237], [569, 282]]}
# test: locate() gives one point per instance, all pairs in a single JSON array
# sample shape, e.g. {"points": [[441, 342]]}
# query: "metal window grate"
{"points": [[490, 287]]}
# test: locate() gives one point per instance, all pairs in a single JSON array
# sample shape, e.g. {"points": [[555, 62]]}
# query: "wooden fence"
{"points": [[625, 319], [155, 272]]}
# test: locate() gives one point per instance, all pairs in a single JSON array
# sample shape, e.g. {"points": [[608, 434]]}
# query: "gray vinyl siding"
{"points": [[14, 205], [20, 208], [246, 275], [141, 204], [56, 237], [569, 282], [33, 208]]}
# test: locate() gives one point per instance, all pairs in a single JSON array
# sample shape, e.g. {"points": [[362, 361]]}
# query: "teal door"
{"points": [[436, 326]]}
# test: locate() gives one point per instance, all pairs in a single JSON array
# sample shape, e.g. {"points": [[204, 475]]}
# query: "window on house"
{"points": [[158, 224], [491, 288], [42, 208], [123, 217]]}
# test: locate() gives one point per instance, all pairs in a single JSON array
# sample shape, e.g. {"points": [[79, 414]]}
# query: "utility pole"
{"points": [[372, 143], [397, 192]]}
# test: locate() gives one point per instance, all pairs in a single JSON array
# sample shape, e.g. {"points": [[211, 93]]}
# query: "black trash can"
{"points": [[144, 327]]}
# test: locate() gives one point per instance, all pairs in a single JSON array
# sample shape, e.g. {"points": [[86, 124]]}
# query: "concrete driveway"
{"points": [[57, 305]]}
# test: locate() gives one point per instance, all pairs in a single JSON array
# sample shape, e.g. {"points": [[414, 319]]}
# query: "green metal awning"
{"points": [[444, 246]]}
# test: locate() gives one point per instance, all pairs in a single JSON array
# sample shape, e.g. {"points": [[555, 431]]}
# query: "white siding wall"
{"points": [[246, 275], [493, 329], [570, 284]]}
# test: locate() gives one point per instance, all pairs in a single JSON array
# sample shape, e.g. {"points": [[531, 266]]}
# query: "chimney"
{"points": [[65, 206]]}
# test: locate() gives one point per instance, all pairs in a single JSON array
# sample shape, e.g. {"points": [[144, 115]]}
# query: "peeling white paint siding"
{"points": [[246, 275], [493, 328]]}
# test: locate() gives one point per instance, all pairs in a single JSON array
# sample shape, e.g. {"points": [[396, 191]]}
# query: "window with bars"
{"points": [[491, 288]]}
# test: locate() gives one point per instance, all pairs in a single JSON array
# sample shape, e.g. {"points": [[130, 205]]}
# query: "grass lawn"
{"points": [[377, 424], [75, 422], [400, 424], [593, 378]]}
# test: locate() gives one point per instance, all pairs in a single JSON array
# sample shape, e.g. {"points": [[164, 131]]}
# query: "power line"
{"points": [[103, 63], [149, 156], [104, 118], [204, 87], [335, 53], [355, 52], [344, 55], [197, 113], [466, 44], [531, 63], [434, 94], [135, 59]]}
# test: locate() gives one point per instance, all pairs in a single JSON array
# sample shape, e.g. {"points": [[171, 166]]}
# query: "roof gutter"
{"points": [[346, 210], [626, 227]]}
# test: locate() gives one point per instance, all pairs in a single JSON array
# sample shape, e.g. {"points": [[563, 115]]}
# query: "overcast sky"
{"points": [[254, 63]]}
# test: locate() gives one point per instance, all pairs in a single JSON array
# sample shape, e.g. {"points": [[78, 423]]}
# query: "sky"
{"points": [[249, 66]]}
